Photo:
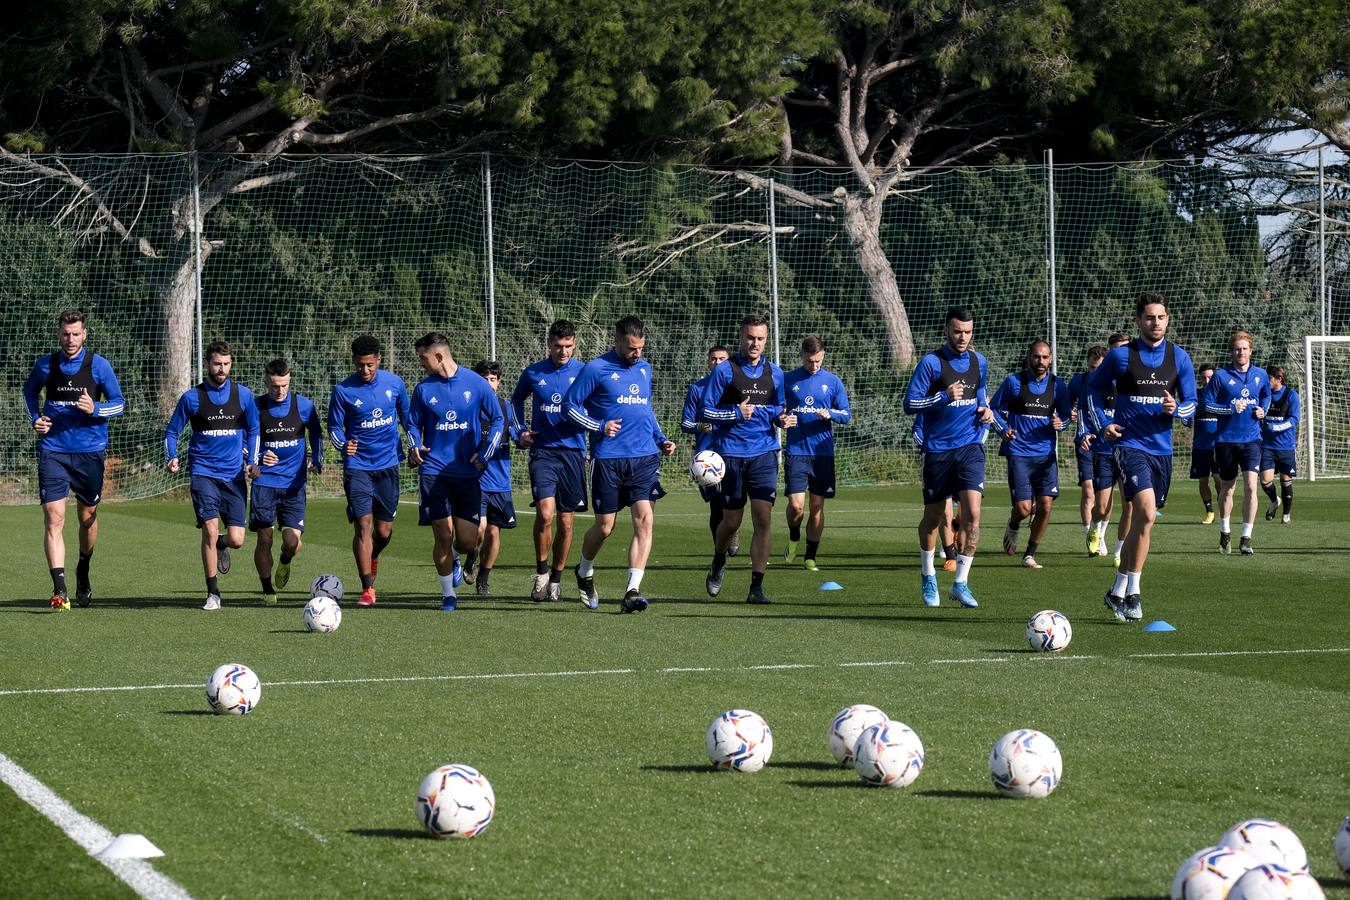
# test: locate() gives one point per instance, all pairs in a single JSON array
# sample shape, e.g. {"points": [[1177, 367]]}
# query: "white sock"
{"points": [[587, 567], [634, 579], [1122, 581], [1224, 525], [1247, 529], [1132, 582], [1101, 528], [963, 567], [926, 562], [1120, 545], [447, 585]]}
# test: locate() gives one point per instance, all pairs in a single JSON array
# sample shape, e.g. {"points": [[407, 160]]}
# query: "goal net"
{"points": [[1324, 445]]}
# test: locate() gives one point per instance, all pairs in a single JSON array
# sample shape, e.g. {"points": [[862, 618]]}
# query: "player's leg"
{"points": [[570, 493], [546, 543], [1044, 489], [796, 513], [946, 537], [761, 546], [968, 539], [935, 518], [291, 542], [84, 592], [1268, 484], [1103, 486], [1202, 466], [363, 531], [211, 534], [473, 558], [443, 533], [734, 500], [1250, 500], [384, 505], [54, 544], [262, 561], [1019, 487], [1086, 499], [591, 542], [815, 529], [1286, 496], [1226, 459], [639, 549]]}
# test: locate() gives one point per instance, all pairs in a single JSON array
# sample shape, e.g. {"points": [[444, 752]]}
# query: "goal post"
{"points": [[1322, 458]]}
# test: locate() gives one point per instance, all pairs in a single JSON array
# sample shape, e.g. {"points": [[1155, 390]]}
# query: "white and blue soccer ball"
{"points": [[1025, 763], [847, 724], [1211, 873], [707, 468], [739, 739], [1049, 631], [233, 689], [1343, 846], [1272, 882], [322, 614], [455, 801], [327, 586], [888, 754], [1268, 842]]}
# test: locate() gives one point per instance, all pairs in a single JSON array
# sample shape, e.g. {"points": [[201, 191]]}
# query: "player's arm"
{"points": [[1187, 399], [337, 420], [982, 402], [1097, 382], [1265, 397], [1063, 404], [187, 405], [999, 405], [917, 398], [1216, 398], [490, 411], [252, 435], [841, 413], [777, 411], [518, 397], [574, 403], [113, 403], [314, 431], [1295, 413], [689, 422], [402, 406], [711, 410], [32, 389]]}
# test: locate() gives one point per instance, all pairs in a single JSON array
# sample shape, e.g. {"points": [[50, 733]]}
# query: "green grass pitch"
{"points": [[602, 782]]}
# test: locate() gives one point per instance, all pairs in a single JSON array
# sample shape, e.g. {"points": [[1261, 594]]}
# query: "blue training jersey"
{"points": [[224, 424], [761, 384], [455, 418], [807, 395], [372, 414], [1279, 429], [1027, 406], [73, 430], [691, 420], [545, 385], [1225, 389], [496, 475], [940, 424], [288, 429], [609, 389], [1139, 375]]}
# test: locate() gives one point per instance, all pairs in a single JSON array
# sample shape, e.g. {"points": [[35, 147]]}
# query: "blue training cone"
{"points": [[831, 586], [1158, 625]]}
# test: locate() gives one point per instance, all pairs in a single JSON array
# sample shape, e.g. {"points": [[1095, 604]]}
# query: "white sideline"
{"points": [[137, 874]]}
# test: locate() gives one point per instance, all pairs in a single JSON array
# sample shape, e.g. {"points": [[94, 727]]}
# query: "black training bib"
{"points": [[1028, 403], [759, 391], [66, 390], [213, 416], [280, 428]]}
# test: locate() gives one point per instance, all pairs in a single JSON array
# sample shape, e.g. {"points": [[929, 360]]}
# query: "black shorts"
{"points": [[268, 506], [59, 473], [950, 472]]}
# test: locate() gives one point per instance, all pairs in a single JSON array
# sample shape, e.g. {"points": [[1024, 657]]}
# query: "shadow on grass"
{"points": [[1137, 897], [810, 765], [403, 834], [700, 768], [841, 784], [187, 712], [931, 618], [962, 795]]}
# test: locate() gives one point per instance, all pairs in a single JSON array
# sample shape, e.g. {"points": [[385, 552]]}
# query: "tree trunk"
{"points": [[178, 306], [862, 224]]}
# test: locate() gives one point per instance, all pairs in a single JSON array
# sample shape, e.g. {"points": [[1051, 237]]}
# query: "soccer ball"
{"points": [[1343, 846], [1210, 874], [455, 802], [233, 689], [1272, 882], [889, 754], [707, 468], [1267, 841], [1025, 763], [322, 614], [327, 586], [1049, 631], [847, 725], [739, 739]]}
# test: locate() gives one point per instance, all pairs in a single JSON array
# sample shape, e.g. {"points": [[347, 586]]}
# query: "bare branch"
{"points": [[801, 198], [342, 137], [167, 100], [229, 125], [877, 73], [232, 59], [813, 158], [252, 184]]}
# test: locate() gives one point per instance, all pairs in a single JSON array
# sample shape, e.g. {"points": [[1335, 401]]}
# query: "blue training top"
{"points": [[370, 413], [224, 424], [1140, 375], [1225, 389], [73, 430], [496, 477], [287, 429], [736, 379], [1279, 429], [807, 395], [1023, 404], [546, 385], [940, 424], [608, 389], [691, 417], [455, 418]]}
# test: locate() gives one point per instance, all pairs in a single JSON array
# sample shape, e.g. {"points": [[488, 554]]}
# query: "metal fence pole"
{"points": [[491, 262], [197, 255], [1309, 400], [773, 273], [1050, 257], [1323, 302]]}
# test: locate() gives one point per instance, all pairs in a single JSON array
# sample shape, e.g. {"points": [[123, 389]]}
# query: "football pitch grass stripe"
{"points": [[137, 874], [766, 667]]}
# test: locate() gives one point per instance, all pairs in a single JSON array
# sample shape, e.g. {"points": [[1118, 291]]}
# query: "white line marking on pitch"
{"points": [[137, 874], [1237, 653]]}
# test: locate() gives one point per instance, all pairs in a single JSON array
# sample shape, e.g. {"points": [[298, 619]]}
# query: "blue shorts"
{"points": [[616, 483], [59, 473], [1033, 476], [950, 472], [1104, 474], [215, 498], [1140, 471], [1084, 466], [1233, 458], [1202, 463], [499, 508], [371, 493], [750, 478], [809, 474], [1281, 461], [558, 472], [268, 506], [445, 496]]}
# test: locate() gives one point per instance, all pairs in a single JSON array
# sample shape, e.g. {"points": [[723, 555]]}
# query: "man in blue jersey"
{"points": [[498, 508], [365, 412], [1279, 438], [947, 395], [1154, 382], [1104, 475], [819, 401], [1086, 497], [744, 401], [456, 424], [691, 422], [557, 461], [1239, 395], [1204, 426], [288, 426], [1031, 408], [80, 394], [224, 447], [612, 399]]}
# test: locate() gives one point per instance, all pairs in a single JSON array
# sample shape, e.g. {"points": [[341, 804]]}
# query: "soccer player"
{"points": [[612, 399], [1031, 408], [498, 508], [223, 448], [819, 401], [288, 425], [456, 423], [1104, 474], [1239, 395], [948, 524], [80, 394], [691, 422], [1204, 427], [1154, 381], [557, 456], [744, 400], [1279, 437], [1086, 499], [365, 413], [948, 394]]}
